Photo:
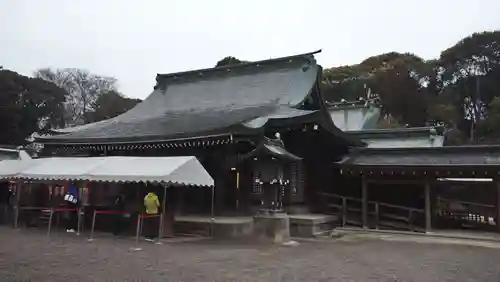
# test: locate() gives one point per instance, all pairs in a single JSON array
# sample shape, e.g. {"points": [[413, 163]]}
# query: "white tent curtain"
{"points": [[174, 170]]}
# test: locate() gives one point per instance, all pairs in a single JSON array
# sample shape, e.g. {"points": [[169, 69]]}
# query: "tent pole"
{"points": [[137, 233], [79, 219], [92, 228], [212, 212], [50, 221]]}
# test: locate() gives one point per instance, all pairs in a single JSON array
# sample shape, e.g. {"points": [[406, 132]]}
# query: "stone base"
{"points": [[220, 228], [297, 209], [274, 227], [311, 225]]}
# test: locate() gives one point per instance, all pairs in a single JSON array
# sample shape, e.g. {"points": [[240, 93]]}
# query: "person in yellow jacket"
{"points": [[151, 205]]}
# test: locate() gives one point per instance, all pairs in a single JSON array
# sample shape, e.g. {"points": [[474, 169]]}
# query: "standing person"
{"points": [[151, 205], [71, 199], [119, 206]]}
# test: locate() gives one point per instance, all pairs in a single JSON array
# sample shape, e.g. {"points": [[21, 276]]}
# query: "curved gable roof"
{"points": [[210, 101]]}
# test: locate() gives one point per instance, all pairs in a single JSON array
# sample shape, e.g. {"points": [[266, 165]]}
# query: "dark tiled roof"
{"points": [[274, 148], [235, 100], [470, 156], [280, 153]]}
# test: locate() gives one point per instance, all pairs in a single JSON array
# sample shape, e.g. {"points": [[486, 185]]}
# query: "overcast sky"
{"points": [[133, 40]]}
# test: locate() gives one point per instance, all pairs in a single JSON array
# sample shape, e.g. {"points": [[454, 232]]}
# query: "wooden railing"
{"points": [[378, 214], [471, 212], [471, 205], [407, 215]]}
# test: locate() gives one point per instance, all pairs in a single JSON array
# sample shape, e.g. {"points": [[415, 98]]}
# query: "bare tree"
{"points": [[83, 90]]}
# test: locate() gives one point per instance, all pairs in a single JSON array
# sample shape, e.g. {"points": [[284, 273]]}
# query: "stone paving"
{"points": [[28, 255]]}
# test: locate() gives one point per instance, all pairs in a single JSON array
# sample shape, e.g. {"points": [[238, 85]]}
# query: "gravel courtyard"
{"points": [[31, 256]]}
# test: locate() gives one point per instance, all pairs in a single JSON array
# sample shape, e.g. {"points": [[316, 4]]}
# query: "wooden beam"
{"points": [[428, 214], [393, 181], [364, 203]]}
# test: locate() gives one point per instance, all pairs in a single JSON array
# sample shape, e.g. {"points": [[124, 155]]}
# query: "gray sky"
{"points": [[133, 40]]}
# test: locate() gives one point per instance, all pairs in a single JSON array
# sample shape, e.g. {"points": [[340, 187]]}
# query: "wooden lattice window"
{"points": [[256, 186], [297, 178], [293, 178]]}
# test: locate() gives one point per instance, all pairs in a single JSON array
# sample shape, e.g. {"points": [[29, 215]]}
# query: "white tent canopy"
{"points": [[185, 170], [60, 168], [176, 170], [11, 168]]}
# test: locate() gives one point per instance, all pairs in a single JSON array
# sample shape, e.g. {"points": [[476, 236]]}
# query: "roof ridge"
{"points": [[360, 100], [236, 66]]}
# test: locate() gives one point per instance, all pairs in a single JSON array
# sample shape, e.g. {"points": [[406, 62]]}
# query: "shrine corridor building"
{"points": [[235, 119]]}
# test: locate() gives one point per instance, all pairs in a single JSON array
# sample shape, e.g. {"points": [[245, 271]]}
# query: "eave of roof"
{"points": [[279, 117], [404, 158], [444, 149], [139, 142], [398, 132]]}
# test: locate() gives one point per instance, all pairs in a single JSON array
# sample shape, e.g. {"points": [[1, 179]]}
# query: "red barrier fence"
{"points": [[140, 219], [150, 216], [111, 212], [53, 210], [139, 224], [64, 209], [96, 212], [18, 209], [34, 208]]}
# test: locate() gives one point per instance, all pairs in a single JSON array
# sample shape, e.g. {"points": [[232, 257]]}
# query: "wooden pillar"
{"points": [[311, 178], [168, 209], [238, 191], [428, 214], [19, 188], [364, 202], [246, 184], [219, 191], [498, 206]]}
